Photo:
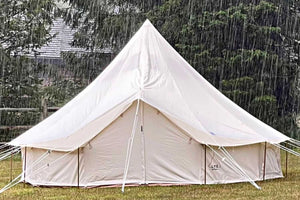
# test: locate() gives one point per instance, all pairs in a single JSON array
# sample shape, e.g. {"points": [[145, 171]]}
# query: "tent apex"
{"points": [[147, 23]]}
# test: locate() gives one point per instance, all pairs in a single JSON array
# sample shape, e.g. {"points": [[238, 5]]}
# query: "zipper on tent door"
{"points": [[144, 181]]}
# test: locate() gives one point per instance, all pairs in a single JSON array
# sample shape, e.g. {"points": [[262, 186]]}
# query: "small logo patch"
{"points": [[214, 166]]}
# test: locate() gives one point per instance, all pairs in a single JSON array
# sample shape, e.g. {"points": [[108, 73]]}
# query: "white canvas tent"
{"points": [[149, 117]]}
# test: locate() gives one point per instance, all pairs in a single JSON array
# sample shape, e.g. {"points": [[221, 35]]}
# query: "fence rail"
{"points": [[12, 128], [49, 109], [43, 110]]}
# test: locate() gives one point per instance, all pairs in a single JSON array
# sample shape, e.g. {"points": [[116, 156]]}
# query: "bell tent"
{"points": [[149, 118]]}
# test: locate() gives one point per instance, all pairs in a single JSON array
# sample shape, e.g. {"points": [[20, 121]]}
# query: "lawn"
{"points": [[285, 188]]}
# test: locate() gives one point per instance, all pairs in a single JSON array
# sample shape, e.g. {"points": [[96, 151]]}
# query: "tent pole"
{"points": [[78, 167], [228, 159], [286, 162], [205, 164], [11, 159], [25, 163], [130, 144], [265, 154]]}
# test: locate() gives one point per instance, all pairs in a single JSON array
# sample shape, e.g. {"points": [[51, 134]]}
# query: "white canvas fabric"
{"points": [[162, 153], [177, 121], [148, 68]]}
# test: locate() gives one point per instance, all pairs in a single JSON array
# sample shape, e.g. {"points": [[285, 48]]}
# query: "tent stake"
{"points": [[205, 164], [265, 153], [25, 152], [78, 167], [286, 162]]}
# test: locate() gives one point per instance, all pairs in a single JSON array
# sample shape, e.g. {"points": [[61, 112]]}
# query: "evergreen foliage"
{"points": [[249, 50]]}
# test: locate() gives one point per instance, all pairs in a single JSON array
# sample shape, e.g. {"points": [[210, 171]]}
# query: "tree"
{"points": [[24, 27], [25, 24], [247, 49]]}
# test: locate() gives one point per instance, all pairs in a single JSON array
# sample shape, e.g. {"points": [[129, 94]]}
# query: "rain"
{"points": [[50, 50]]}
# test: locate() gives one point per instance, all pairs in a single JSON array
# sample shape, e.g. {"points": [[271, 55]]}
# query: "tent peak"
{"points": [[147, 23]]}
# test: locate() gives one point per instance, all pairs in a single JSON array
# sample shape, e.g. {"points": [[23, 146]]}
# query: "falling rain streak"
{"points": [[50, 50]]}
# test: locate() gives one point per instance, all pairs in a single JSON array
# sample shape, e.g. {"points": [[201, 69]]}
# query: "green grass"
{"points": [[285, 188]]}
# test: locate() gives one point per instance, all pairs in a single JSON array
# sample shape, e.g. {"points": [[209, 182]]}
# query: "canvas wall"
{"points": [[161, 153]]}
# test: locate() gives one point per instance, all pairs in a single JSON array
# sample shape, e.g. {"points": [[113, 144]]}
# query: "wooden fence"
{"points": [[44, 112]]}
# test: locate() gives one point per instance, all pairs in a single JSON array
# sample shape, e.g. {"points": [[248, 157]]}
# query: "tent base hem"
{"points": [[132, 183]]}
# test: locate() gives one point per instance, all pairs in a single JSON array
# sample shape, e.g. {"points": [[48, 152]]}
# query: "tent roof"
{"points": [[149, 69]]}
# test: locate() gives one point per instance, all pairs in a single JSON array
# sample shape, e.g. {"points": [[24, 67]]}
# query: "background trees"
{"points": [[247, 49], [24, 27]]}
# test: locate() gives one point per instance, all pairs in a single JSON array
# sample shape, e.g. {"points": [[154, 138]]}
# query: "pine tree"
{"points": [[247, 49], [24, 27]]}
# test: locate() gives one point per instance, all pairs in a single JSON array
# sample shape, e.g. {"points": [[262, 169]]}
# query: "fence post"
{"points": [[204, 164], [44, 106], [78, 166]]}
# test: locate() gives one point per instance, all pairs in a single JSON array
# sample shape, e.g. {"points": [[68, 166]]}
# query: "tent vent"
{"points": [[142, 128]]}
